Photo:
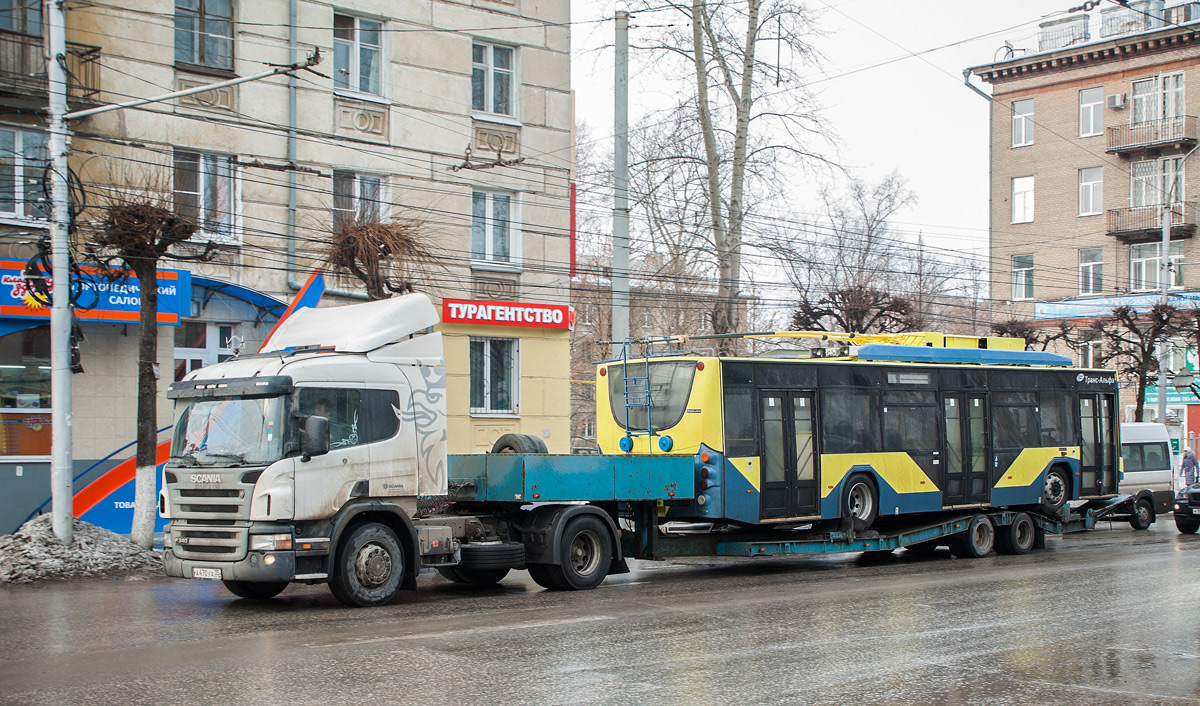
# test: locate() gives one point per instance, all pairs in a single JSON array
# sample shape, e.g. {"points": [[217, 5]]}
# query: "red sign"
{"points": [[467, 311]]}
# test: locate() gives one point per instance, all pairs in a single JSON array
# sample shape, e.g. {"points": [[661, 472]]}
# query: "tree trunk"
{"points": [[145, 497], [1141, 398]]}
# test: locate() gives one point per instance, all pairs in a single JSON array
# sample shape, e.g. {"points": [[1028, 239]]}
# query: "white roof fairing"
{"points": [[356, 328]]}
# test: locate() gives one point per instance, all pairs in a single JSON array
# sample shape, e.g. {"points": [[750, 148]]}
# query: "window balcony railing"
{"points": [[1144, 225], [23, 79], [1154, 134]]}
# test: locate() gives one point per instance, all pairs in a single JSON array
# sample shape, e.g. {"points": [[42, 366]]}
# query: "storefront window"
{"points": [[25, 392]]}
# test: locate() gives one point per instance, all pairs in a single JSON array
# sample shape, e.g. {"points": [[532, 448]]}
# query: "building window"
{"points": [[357, 53], [1152, 180], [1090, 354], [1091, 191], [1022, 200], [356, 199], [1091, 270], [1158, 98], [1144, 264], [23, 161], [492, 79], [587, 430], [1022, 277], [23, 16], [204, 33], [494, 376], [1091, 112], [25, 392], [204, 194], [492, 237], [199, 343], [1022, 123]]}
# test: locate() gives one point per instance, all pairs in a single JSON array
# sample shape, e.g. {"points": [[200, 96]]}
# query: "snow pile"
{"points": [[33, 553]]}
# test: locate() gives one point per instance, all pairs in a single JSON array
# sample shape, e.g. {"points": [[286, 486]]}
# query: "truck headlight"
{"points": [[270, 542]]}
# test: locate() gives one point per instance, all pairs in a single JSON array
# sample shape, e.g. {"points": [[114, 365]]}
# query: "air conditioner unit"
{"points": [[1115, 101]]}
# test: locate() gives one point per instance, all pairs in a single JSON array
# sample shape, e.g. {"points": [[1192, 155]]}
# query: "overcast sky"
{"points": [[892, 111]]}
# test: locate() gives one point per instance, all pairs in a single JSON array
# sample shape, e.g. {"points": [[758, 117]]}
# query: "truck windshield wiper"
{"points": [[185, 460], [240, 458]]}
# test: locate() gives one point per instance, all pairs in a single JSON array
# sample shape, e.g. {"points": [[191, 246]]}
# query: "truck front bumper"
{"points": [[281, 566]]}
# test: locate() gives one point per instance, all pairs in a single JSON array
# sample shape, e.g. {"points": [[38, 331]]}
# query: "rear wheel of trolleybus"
{"points": [[369, 566], [977, 541], [584, 555], [255, 590], [860, 502], [1018, 537], [1056, 491]]}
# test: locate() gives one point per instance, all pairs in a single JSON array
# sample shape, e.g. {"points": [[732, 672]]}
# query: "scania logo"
{"points": [[206, 478]]}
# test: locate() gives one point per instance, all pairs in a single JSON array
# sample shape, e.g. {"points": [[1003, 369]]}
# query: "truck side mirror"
{"points": [[316, 438]]}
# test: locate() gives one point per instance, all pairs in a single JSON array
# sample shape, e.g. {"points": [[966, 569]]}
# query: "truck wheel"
{"points": [[860, 502], [1186, 526], [1016, 538], [519, 444], [1143, 515], [501, 555], [475, 577], [584, 554], [1056, 491], [369, 566], [977, 541], [255, 590], [540, 573]]}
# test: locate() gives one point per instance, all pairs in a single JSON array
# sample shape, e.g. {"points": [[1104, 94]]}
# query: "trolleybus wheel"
{"points": [[1016, 538], [1187, 526], [861, 502], [977, 541], [369, 566], [1056, 491], [584, 553], [255, 590], [1143, 514]]}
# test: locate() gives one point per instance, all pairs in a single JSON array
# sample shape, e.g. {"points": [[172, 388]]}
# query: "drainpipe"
{"points": [[295, 283]]}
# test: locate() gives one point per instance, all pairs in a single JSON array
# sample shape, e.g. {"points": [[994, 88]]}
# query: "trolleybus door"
{"points": [[966, 479], [1097, 462], [788, 486]]}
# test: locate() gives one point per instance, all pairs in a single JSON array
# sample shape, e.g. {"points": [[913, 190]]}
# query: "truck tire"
{"points": [[504, 555], [1143, 514], [369, 566], [860, 502], [1016, 538], [977, 541], [475, 577], [1056, 491], [1187, 526], [255, 590], [519, 444], [584, 555]]}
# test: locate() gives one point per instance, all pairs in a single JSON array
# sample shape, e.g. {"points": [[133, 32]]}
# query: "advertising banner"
{"points": [[99, 299], [493, 313]]}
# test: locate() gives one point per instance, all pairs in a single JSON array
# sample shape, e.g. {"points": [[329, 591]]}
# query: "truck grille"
{"points": [[208, 544], [227, 500]]}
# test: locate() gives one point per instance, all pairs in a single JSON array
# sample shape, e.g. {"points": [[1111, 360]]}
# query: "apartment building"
{"points": [[1093, 127], [454, 115]]}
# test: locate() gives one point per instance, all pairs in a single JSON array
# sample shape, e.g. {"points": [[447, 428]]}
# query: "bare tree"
{"points": [[382, 255], [857, 309], [1131, 340], [1035, 336]]}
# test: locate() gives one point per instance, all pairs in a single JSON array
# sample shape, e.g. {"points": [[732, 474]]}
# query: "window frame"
{"points": [[488, 408], [1025, 199], [1090, 353], [25, 209], [1148, 189], [214, 351], [1141, 264], [1152, 105], [489, 69], [360, 205], [1091, 272], [27, 18], [1094, 110], [1022, 123], [201, 30], [356, 44], [1022, 277], [234, 235], [43, 413], [1091, 191], [486, 258]]}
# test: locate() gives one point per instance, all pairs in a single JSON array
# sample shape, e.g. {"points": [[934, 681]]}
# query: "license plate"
{"points": [[199, 573]]}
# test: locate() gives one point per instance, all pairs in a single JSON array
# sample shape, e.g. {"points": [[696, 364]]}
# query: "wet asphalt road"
{"points": [[1107, 617]]}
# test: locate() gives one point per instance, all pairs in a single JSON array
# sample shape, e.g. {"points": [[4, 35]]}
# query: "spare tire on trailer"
{"points": [[519, 444]]}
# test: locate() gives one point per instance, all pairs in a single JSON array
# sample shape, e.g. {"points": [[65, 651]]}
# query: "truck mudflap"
{"points": [[542, 534], [252, 568]]}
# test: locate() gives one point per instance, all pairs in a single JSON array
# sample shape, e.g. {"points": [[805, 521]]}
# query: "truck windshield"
{"points": [[228, 432], [669, 384]]}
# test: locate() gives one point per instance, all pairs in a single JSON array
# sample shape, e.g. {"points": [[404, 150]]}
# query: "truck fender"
{"points": [[542, 534], [390, 514]]}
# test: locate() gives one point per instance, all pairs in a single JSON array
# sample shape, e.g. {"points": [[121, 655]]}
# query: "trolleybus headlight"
{"points": [[626, 444], [665, 443]]}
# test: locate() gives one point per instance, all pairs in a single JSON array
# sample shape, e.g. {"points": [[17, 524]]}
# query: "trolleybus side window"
{"points": [[1058, 419], [1016, 422], [850, 420], [909, 421], [738, 383]]}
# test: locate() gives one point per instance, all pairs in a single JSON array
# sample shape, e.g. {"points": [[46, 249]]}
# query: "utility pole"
{"points": [[62, 517], [620, 256]]}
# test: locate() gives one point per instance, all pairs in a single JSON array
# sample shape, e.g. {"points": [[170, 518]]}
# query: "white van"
{"points": [[1147, 462]]}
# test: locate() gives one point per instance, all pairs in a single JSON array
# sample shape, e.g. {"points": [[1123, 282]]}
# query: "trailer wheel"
{"points": [[584, 554], [255, 590], [475, 577], [1056, 491], [1143, 514], [977, 541], [860, 502], [1016, 538], [1186, 526], [369, 566], [519, 444]]}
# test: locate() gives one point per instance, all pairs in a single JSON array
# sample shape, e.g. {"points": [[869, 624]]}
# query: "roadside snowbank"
{"points": [[33, 553]]}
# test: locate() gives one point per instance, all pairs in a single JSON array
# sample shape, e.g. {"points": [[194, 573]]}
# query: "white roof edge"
{"points": [[356, 328]]}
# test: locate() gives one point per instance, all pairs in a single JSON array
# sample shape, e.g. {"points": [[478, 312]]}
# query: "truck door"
{"points": [[788, 486], [1097, 462], [324, 483], [966, 474]]}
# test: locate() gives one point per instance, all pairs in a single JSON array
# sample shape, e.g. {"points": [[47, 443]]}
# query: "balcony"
{"points": [[1170, 133], [23, 80], [1144, 225]]}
